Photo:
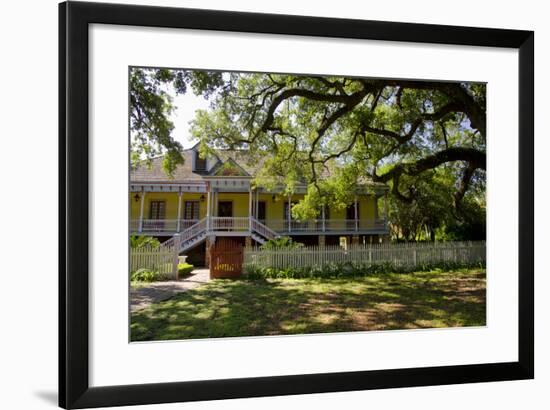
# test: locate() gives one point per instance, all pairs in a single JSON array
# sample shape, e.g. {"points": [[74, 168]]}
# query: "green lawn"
{"points": [[224, 308]]}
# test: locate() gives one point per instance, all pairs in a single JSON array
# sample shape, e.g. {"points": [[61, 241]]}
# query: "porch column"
{"points": [[208, 193], [257, 206], [250, 201], [250, 209], [323, 218], [356, 221], [215, 203], [179, 211], [141, 209], [289, 212]]}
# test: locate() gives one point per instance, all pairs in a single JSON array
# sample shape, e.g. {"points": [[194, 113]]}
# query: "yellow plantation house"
{"points": [[210, 198]]}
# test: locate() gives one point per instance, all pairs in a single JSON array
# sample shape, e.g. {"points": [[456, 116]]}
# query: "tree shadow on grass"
{"points": [[231, 308]]}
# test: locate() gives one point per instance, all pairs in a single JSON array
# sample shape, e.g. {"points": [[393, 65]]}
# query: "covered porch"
{"points": [[230, 206]]}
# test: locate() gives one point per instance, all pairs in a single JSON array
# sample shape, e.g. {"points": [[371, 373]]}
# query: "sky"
{"points": [[185, 104]]}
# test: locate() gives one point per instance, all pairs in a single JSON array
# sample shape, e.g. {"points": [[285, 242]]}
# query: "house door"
{"points": [[350, 216], [157, 212], [225, 209], [261, 211]]}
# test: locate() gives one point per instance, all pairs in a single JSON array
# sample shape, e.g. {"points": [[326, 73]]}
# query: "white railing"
{"points": [[191, 232], [372, 224], [221, 223], [328, 225], [187, 223], [161, 225], [263, 230], [284, 225], [276, 226], [134, 225], [179, 239], [405, 254]]}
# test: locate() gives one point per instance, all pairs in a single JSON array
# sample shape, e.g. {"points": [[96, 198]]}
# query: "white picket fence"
{"points": [[160, 258], [400, 254]]}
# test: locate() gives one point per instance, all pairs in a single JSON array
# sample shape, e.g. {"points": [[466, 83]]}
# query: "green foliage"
{"points": [[425, 139], [145, 275], [283, 242], [185, 269], [432, 214], [139, 241], [151, 104], [350, 270]]}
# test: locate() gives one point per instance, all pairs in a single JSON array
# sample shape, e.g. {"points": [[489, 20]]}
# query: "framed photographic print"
{"points": [[256, 204]]}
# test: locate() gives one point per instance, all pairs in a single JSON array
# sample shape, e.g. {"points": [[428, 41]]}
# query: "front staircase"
{"points": [[260, 232], [197, 233], [258, 238]]}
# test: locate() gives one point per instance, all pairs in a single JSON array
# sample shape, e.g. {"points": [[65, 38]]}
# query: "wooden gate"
{"points": [[226, 258]]}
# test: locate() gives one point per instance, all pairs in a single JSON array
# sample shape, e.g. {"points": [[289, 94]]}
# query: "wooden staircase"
{"points": [[260, 232], [197, 233]]}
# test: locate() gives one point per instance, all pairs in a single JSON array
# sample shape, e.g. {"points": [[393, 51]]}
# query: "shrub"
{"points": [[349, 269], [284, 242], [144, 275], [139, 241], [185, 269]]}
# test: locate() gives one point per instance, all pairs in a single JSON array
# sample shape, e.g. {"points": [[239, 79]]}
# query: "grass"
{"points": [[226, 308]]}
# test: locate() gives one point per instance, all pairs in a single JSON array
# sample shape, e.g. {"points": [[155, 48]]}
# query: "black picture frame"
{"points": [[74, 388]]}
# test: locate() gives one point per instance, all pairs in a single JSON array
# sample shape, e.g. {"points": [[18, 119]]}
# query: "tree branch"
{"points": [[476, 158], [446, 109]]}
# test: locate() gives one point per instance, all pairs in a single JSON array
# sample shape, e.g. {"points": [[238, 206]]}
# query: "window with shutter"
{"points": [[157, 210], [200, 163], [191, 210]]}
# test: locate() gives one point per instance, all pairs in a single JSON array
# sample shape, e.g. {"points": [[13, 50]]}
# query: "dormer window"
{"points": [[200, 163]]}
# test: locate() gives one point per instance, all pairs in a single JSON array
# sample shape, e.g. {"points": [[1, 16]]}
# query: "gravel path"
{"points": [[143, 296]]}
